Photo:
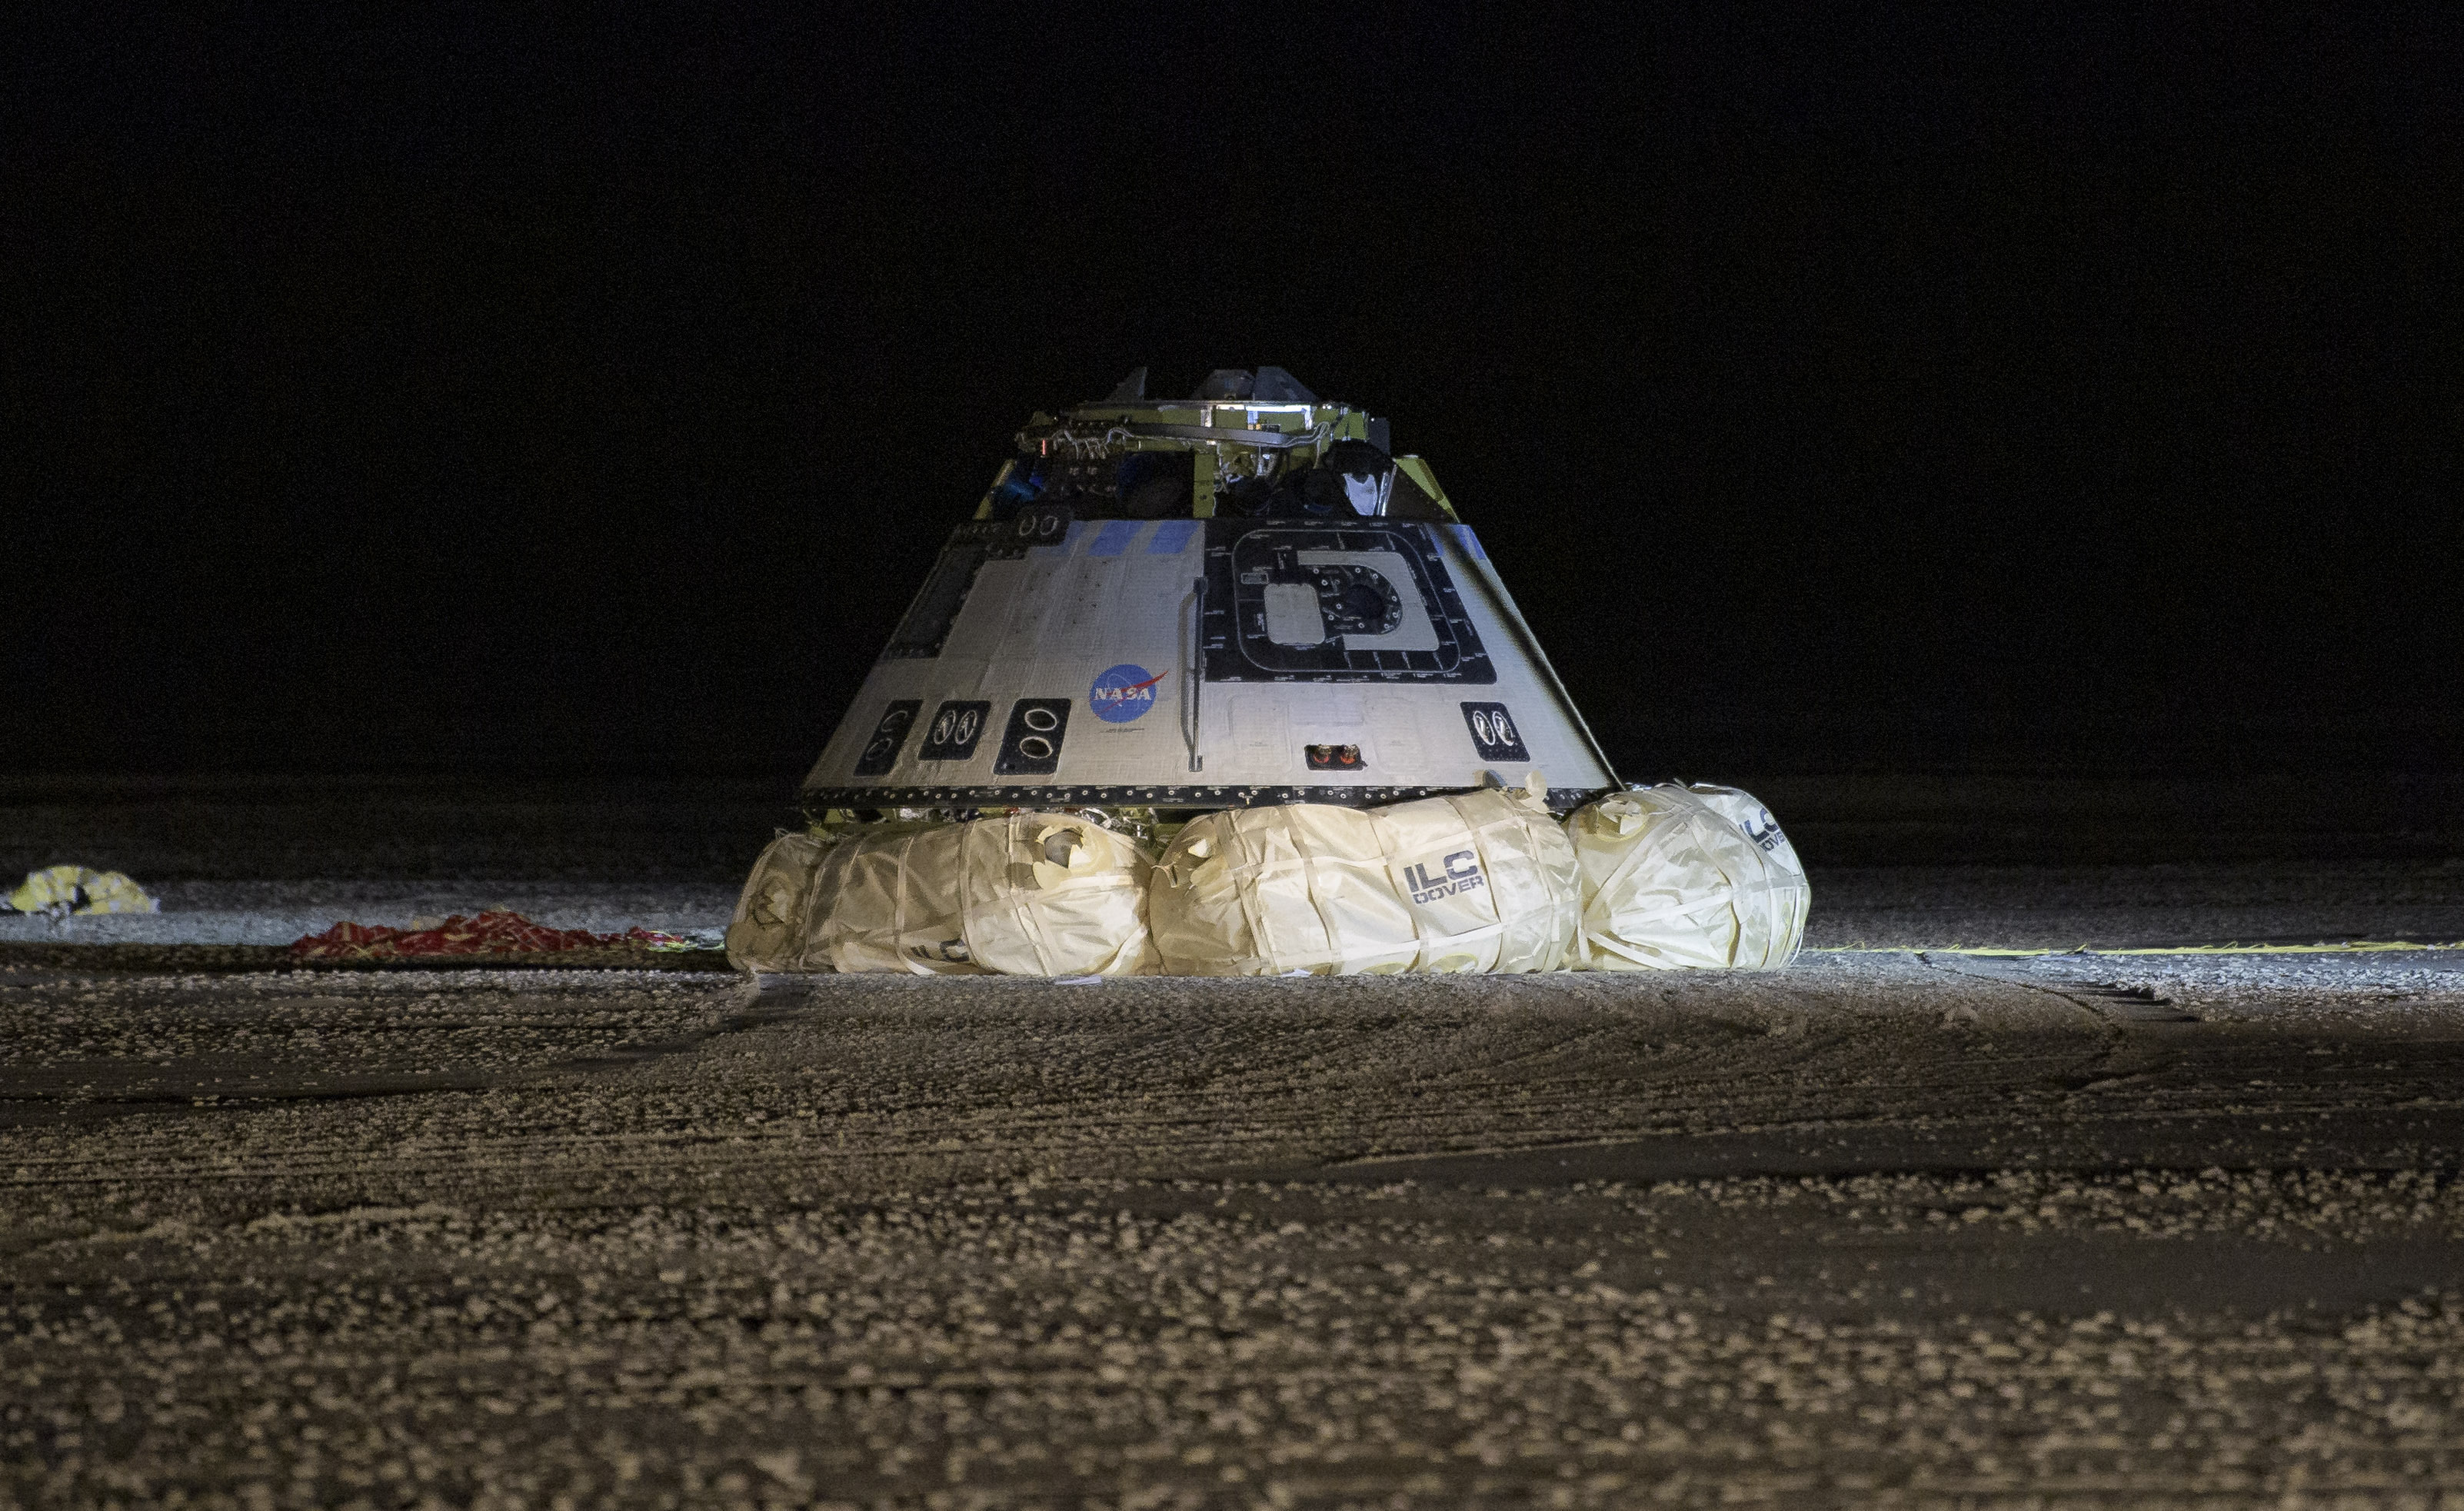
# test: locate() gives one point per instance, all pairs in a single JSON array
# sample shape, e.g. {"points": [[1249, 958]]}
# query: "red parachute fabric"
{"points": [[497, 931]]}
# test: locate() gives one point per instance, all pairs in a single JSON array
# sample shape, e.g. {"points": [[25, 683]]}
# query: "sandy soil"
{"points": [[1884, 1229], [1881, 1228]]}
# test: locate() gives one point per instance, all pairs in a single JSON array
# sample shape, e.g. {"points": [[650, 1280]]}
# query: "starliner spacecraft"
{"points": [[1238, 598]]}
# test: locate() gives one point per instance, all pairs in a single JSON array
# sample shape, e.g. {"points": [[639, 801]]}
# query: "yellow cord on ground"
{"points": [[2352, 947]]}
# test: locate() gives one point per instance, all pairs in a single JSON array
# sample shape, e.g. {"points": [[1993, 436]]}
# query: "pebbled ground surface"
{"points": [[1915, 1229]]}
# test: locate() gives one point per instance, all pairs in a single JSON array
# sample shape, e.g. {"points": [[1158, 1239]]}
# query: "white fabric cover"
{"points": [[1676, 877], [891, 902], [1772, 936], [1475, 882], [1521, 915], [768, 931], [1045, 894], [1262, 891], [1025, 895]]}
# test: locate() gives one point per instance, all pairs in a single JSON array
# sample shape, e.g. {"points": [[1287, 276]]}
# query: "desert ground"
{"points": [[1905, 1224]]}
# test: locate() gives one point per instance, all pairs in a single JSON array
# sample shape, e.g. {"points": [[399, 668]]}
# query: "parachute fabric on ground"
{"points": [[1671, 882], [63, 890], [768, 931], [1471, 882]]}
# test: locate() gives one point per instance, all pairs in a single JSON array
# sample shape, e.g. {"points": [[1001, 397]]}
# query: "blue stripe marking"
{"points": [[1114, 537], [1171, 537], [1068, 543], [1468, 541]]}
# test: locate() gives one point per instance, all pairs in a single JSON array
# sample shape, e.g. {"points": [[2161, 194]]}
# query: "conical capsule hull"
{"points": [[1205, 663]]}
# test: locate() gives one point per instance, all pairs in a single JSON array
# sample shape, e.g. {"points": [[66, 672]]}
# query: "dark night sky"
{"points": [[433, 393]]}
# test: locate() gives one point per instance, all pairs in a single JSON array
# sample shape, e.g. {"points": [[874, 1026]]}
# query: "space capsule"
{"points": [[1238, 598]]}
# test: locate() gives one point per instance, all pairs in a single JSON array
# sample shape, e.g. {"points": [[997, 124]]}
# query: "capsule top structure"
{"points": [[1262, 444], [1241, 598]]}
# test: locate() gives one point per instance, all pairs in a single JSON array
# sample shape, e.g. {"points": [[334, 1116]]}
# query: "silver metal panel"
{"points": [[1104, 620]]}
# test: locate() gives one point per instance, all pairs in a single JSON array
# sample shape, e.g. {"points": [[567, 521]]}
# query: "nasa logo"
{"points": [[1123, 692]]}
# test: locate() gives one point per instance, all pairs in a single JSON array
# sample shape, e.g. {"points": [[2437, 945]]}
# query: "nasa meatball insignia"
{"points": [[1123, 692]]}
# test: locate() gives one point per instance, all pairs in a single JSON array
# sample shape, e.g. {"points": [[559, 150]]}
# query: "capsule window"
{"points": [[1031, 743]]}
